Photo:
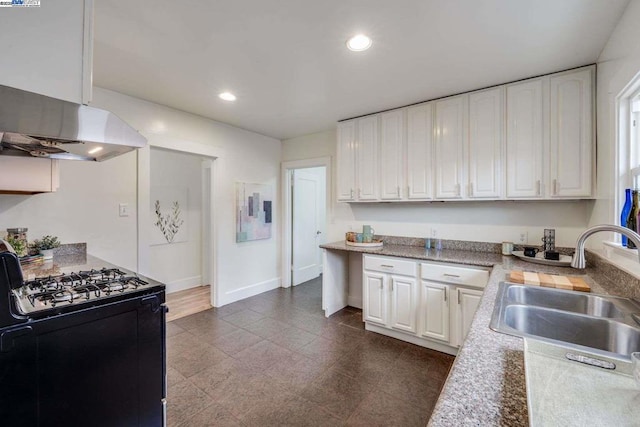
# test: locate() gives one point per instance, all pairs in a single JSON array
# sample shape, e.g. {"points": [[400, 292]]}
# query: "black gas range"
{"points": [[81, 349]]}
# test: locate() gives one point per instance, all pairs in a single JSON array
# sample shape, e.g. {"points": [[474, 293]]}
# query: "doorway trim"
{"points": [[287, 220], [211, 157]]}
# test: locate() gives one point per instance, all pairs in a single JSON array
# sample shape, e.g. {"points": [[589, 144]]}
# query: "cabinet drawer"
{"points": [[391, 265], [453, 274]]}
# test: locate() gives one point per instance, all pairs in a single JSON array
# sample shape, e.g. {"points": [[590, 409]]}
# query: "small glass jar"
{"points": [[19, 234]]}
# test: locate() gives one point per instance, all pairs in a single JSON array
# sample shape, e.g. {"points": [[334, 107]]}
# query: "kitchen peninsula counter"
{"points": [[486, 384]]}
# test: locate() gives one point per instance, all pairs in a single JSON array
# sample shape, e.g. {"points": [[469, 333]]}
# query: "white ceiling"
{"points": [[287, 62]]}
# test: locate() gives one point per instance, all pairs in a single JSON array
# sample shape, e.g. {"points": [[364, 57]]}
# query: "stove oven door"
{"points": [[103, 366]]}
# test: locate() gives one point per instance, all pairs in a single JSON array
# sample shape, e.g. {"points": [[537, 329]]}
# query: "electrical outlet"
{"points": [[123, 209], [524, 237]]}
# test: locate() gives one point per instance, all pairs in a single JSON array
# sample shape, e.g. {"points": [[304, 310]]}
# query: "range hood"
{"points": [[40, 126]]}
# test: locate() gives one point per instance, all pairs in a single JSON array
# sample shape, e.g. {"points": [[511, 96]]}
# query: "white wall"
{"points": [[476, 221], [243, 269], [86, 207], [179, 264], [618, 63]]}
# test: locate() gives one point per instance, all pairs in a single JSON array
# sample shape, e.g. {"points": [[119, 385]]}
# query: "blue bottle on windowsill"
{"points": [[626, 209]]}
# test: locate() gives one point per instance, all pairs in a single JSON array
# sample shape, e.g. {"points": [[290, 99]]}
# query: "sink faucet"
{"points": [[579, 261]]}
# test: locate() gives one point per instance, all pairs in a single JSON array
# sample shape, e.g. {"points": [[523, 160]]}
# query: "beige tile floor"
{"points": [[274, 360]]}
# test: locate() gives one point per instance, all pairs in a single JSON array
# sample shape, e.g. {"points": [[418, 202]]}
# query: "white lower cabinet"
{"points": [[434, 311], [375, 298], [403, 303], [467, 301], [429, 304], [390, 299]]}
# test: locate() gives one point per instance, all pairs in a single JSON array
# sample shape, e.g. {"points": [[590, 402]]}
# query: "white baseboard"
{"points": [[249, 291], [182, 284], [354, 302]]}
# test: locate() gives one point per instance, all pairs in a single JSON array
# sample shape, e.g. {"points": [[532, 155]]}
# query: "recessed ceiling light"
{"points": [[227, 96], [359, 43], [95, 150]]}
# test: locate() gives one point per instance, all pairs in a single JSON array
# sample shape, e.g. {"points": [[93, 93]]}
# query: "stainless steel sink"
{"points": [[600, 323], [599, 333], [593, 305]]}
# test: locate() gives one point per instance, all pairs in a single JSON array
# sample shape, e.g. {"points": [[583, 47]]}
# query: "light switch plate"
{"points": [[123, 209]]}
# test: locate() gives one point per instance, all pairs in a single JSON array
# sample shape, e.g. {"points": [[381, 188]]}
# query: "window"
{"points": [[625, 168], [634, 140]]}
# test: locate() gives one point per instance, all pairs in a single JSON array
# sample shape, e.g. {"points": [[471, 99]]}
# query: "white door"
{"points": [[375, 298], [524, 139], [435, 311], [449, 147], [367, 158], [486, 124], [346, 163], [419, 152], [391, 155], [468, 301], [306, 226], [571, 139], [403, 303]]}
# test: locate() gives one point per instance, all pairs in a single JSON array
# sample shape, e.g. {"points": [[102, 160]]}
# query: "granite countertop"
{"points": [[485, 259], [486, 384]]}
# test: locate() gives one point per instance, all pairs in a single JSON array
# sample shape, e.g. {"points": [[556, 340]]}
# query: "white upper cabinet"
{"points": [[532, 139], [48, 49], [419, 152], [346, 161], [486, 130], [524, 139], [367, 170], [571, 133], [449, 147], [28, 175], [392, 130]]}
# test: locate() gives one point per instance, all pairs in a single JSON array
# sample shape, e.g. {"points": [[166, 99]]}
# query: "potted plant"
{"points": [[46, 245]]}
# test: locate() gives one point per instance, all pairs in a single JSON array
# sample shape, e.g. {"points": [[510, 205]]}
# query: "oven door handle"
{"points": [[8, 337], [153, 301]]}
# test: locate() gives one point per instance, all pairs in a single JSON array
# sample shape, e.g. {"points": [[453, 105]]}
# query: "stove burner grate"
{"points": [[84, 285]]}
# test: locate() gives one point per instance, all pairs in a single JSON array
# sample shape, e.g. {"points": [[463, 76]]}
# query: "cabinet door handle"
{"points": [[471, 189], [458, 291], [359, 193], [539, 188], [386, 266], [445, 294], [398, 191], [556, 187], [408, 190], [392, 286], [458, 190], [451, 275]]}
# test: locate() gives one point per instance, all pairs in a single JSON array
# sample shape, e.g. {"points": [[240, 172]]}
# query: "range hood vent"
{"points": [[40, 126]]}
